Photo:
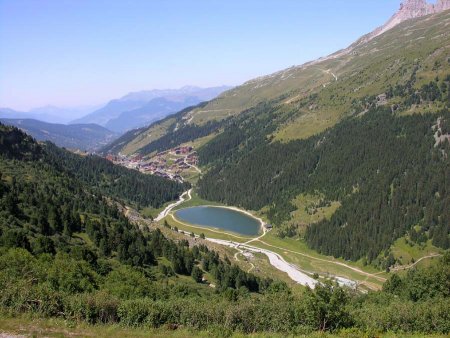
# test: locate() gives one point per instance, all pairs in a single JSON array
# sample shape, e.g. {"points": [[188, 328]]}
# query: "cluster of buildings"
{"points": [[168, 164]]}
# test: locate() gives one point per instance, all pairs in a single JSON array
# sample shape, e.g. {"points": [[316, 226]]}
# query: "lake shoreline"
{"points": [[262, 224]]}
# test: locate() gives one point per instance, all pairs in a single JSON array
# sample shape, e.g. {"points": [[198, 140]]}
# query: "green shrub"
{"points": [[72, 276], [98, 307]]}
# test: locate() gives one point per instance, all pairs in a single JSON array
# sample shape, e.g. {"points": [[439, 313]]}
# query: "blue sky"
{"points": [[71, 53]]}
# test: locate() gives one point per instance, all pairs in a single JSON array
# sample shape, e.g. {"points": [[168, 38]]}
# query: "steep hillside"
{"points": [[76, 136], [318, 94], [67, 253], [389, 174], [162, 135], [326, 90]]}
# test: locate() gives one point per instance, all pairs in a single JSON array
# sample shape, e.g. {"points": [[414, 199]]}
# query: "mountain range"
{"points": [[102, 126], [50, 114], [142, 108], [88, 137]]}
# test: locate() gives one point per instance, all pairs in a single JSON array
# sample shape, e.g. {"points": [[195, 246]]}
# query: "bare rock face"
{"points": [[411, 9], [442, 5]]}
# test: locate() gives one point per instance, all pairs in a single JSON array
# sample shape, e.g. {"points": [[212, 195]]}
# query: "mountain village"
{"points": [[172, 164]]}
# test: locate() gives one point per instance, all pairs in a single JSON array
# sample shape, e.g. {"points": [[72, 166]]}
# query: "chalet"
{"points": [[111, 157], [192, 160], [136, 159], [381, 100], [183, 150]]}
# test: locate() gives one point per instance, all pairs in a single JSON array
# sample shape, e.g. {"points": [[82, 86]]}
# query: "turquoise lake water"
{"points": [[220, 218]]}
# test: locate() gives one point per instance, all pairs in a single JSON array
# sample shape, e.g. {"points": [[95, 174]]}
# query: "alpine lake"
{"points": [[220, 218]]}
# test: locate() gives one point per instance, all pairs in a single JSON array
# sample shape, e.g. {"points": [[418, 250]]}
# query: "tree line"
{"points": [[383, 168]]}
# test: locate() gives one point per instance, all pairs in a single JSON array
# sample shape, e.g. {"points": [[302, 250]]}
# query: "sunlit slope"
{"points": [[320, 93], [363, 69]]}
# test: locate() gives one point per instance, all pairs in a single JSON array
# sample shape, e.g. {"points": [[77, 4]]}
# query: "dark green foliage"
{"points": [[116, 181], [14, 144], [417, 302], [134, 297], [326, 308], [421, 285], [384, 169], [46, 201], [197, 274]]}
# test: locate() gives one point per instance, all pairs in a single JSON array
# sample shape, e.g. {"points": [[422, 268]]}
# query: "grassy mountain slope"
{"points": [[320, 93], [75, 136], [353, 74], [162, 135]]}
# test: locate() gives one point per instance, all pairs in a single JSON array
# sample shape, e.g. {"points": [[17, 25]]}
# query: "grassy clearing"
{"points": [[309, 210], [196, 201], [153, 212], [305, 126], [207, 232], [200, 141], [408, 252], [191, 175], [84, 237]]}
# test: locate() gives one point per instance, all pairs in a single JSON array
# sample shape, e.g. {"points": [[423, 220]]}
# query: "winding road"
{"points": [[169, 208]]}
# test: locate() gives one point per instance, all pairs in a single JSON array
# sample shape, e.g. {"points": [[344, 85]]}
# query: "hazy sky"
{"points": [[70, 53]]}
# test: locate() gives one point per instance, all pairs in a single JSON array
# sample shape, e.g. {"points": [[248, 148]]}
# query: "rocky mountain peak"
{"points": [[411, 9]]}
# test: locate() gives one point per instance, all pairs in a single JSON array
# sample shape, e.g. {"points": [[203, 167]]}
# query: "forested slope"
{"points": [[67, 251], [387, 170], [65, 247]]}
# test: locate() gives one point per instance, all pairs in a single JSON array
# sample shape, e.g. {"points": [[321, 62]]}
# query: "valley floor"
{"points": [[290, 256]]}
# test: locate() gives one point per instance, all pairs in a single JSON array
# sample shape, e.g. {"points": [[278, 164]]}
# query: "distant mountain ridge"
{"points": [[152, 111], [49, 113], [140, 108], [76, 136]]}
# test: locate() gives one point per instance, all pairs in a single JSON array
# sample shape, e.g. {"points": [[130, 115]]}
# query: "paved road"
{"points": [[169, 208]]}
